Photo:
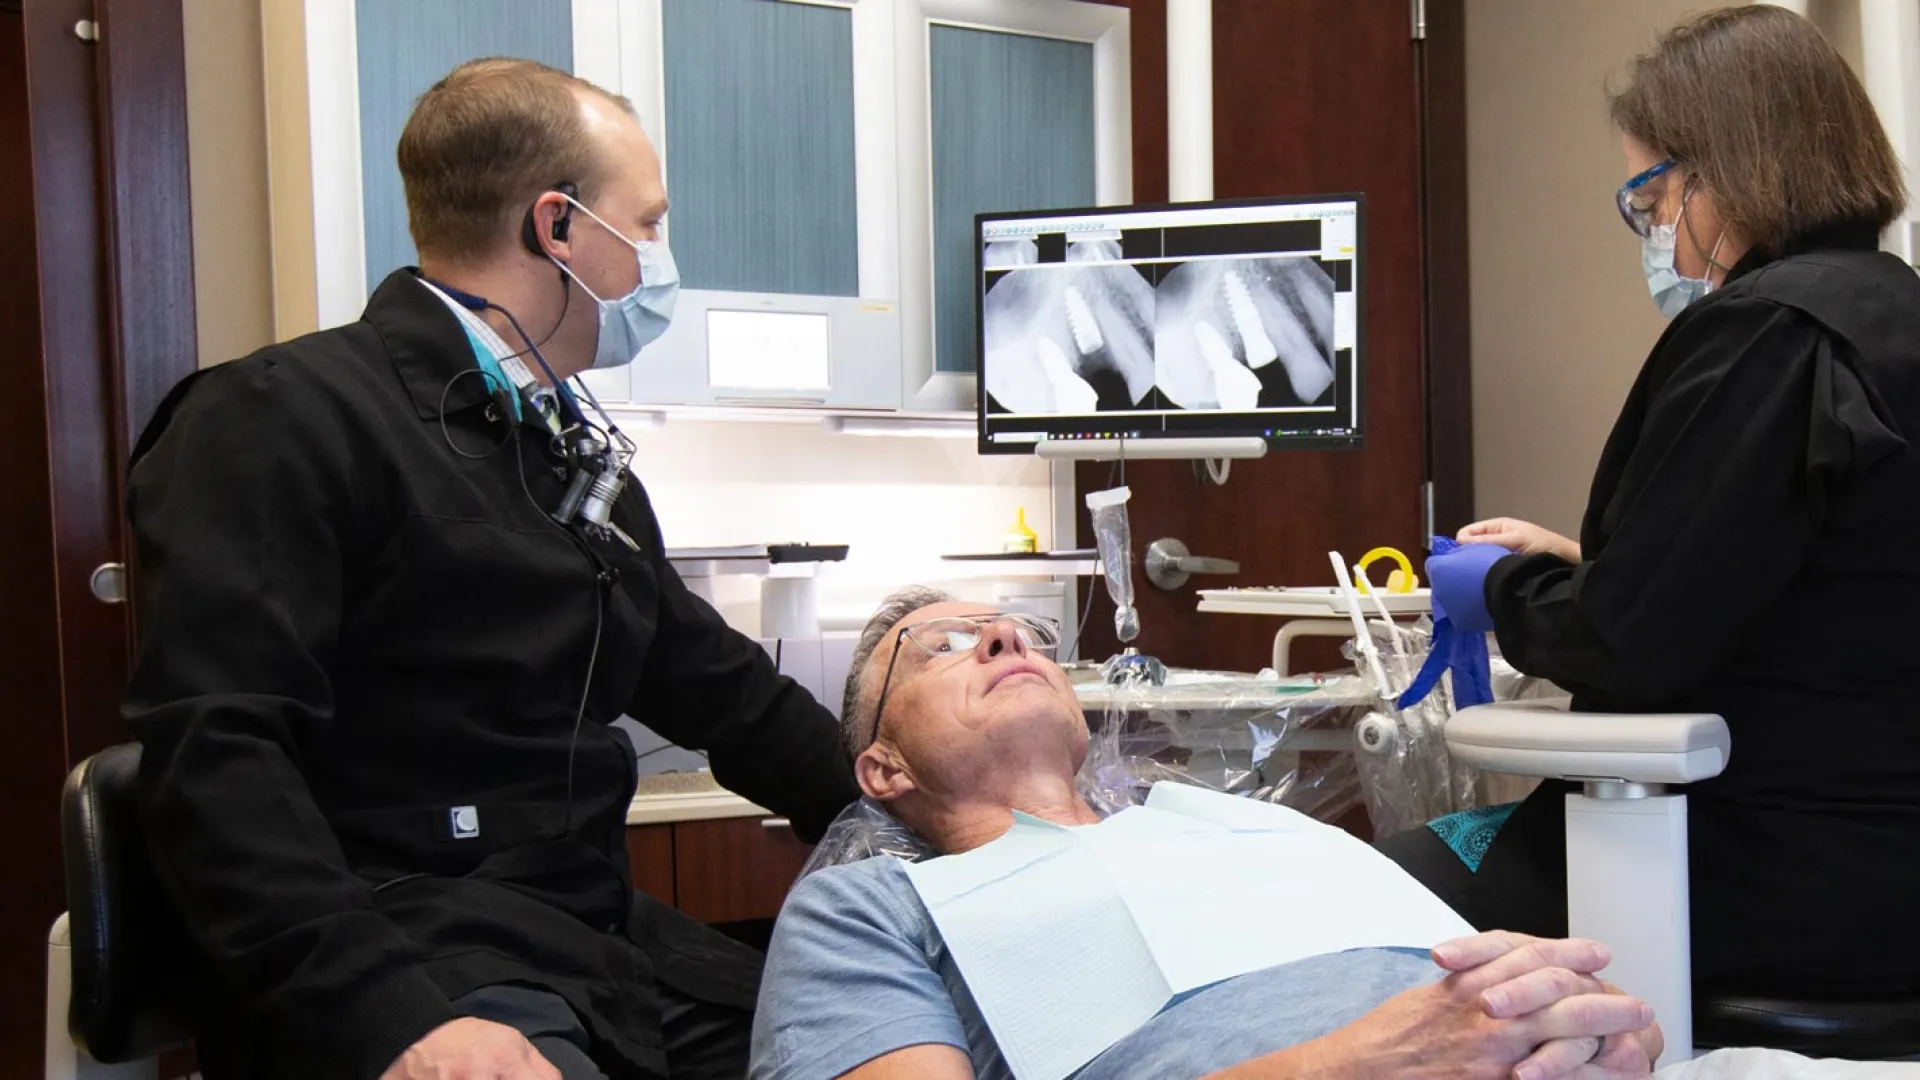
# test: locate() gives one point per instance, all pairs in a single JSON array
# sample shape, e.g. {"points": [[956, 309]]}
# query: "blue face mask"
{"points": [[1671, 291], [632, 322]]}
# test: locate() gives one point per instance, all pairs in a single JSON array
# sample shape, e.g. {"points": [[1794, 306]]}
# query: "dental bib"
{"points": [[1071, 938]]}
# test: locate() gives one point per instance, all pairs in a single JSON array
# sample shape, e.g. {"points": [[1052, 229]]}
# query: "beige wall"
{"points": [[1561, 316], [227, 153]]}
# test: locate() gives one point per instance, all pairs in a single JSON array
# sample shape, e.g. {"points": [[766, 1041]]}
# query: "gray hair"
{"points": [[856, 727]]}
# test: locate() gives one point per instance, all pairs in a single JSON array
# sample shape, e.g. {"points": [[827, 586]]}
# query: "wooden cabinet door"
{"points": [[650, 857], [732, 869]]}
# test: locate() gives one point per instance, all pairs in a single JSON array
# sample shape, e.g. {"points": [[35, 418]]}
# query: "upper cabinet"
{"points": [[824, 158]]}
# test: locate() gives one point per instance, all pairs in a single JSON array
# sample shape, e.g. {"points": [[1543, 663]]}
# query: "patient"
{"points": [[956, 716]]}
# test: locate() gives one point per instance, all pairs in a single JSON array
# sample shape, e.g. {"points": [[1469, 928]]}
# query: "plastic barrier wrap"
{"points": [[1276, 740], [862, 831], [1321, 745]]}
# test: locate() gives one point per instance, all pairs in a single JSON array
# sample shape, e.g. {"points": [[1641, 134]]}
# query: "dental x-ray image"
{"points": [[1068, 339], [1243, 334]]}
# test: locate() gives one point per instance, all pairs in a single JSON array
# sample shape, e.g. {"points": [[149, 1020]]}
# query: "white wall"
{"points": [[900, 502], [1561, 318], [227, 159]]}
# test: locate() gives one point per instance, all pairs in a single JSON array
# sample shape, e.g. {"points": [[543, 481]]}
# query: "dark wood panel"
{"points": [[144, 135], [1310, 96], [1449, 354], [732, 869], [1147, 29], [650, 855], [82, 401], [35, 759]]}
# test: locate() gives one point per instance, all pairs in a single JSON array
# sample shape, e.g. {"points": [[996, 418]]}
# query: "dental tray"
{"points": [[1310, 603]]}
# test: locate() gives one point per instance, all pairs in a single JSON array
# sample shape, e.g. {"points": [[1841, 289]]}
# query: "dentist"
{"points": [[1749, 546], [396, 585]]}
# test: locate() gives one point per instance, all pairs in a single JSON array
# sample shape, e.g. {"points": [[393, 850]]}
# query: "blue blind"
{"points": [[760, 146], [1012, 130], [405, 46]]}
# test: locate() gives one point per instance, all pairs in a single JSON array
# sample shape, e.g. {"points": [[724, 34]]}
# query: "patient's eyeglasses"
{"points": [[959, 636], [1637, 209]]}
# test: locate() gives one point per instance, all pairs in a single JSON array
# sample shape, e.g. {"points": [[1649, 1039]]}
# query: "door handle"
{"points": [[1169, 564], [109, 583]]}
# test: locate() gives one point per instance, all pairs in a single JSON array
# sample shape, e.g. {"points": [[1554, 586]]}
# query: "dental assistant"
{"points": [[391, 608], [1751, 546]]}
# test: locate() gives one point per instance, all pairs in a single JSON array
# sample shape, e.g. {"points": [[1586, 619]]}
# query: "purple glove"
{"points": [[1460, 624], [1459, 576]]}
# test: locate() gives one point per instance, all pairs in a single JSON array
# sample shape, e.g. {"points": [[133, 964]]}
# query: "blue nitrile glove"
{"points": [[1461, 622]]}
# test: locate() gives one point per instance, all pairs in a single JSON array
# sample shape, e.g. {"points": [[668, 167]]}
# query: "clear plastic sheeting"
{"points": [[1278, 740], [1322, 745], [1408, 777], [1115, 542], [864, 830]]}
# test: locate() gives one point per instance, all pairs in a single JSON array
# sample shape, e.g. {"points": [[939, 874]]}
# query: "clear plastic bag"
{"points": [[864, 830], [1114, 539], [1258, 736]]}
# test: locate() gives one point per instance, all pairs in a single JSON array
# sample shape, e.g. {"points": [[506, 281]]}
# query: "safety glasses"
{"points": [[1635, 209], [959, 636]]}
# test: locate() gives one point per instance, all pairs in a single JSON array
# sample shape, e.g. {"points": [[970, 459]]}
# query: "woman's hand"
{"points": [[1520, 537]]}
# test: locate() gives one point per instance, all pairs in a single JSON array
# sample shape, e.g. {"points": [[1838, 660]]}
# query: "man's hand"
{"points": [[1520, 537], [470, 1049], [1514, 1007], [1515, 975]]}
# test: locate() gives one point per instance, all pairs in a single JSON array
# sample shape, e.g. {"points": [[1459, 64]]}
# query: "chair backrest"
{"points": [[137, 978]]}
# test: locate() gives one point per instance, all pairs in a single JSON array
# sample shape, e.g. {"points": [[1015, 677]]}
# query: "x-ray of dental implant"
{"points": [[1220, 325], [1067, 339]]}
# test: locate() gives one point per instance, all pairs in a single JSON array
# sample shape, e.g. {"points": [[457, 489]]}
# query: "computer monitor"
{"points": [[1220, 320]]}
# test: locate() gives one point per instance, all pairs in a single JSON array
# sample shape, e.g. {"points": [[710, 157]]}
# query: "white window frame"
{"points": [[1106, 28], [314, 151]]}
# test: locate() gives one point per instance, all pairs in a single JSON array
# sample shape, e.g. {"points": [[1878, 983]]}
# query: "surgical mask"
{"points": [[632, 322], [1671, 290]]}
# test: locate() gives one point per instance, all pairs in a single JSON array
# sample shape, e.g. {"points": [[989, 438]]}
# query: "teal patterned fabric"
{"points": [[1470, 832]]}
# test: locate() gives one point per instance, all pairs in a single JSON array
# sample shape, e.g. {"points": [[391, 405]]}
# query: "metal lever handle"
{"points": [[1201, 564], [1169, 564]]}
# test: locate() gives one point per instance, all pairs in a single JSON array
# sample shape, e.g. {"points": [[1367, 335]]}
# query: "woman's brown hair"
{"points": [[1763, 112]]}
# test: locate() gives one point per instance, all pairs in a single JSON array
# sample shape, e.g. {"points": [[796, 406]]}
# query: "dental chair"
{"points": [[1627, 874], [122, 976]]}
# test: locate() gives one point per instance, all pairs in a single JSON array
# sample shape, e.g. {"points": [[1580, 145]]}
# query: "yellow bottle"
{"points": [[1020, 540]]}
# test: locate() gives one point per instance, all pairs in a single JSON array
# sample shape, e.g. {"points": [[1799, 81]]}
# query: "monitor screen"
{"points": [[1198, 320]]}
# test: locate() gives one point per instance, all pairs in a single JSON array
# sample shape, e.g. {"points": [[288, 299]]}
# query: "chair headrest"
{"points": [[137, 977]]}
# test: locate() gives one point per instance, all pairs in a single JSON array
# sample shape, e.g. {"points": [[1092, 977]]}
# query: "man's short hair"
{"points": [[856, 721], [483, 143]]}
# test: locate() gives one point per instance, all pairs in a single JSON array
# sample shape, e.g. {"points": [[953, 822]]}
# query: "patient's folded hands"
{"points": [[1518, 979], [1513, 1007]]}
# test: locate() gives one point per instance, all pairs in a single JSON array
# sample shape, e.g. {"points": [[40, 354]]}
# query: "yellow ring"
{"points": [[1404, 583]]}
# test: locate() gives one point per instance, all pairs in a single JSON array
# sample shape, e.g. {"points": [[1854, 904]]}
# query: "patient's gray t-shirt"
{"points": [[857, 969]]}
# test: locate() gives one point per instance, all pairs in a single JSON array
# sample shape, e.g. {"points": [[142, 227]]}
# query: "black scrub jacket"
{"points": [[1752, 549], [349, 630]]}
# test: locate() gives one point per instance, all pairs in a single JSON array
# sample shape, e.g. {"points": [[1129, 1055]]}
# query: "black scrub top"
{"points": [[1752, 548], [350, 630]]}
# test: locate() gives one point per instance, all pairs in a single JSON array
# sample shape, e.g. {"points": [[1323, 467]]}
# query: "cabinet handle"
{"points": [[775, 823]]}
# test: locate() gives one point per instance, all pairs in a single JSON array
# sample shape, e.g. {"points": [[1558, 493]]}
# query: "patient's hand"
{"points": [[470, 1049], [1514, 1007], [1516, 975]]}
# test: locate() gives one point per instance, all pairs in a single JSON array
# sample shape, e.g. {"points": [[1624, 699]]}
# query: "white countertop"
{"points": [[690, 806]]}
